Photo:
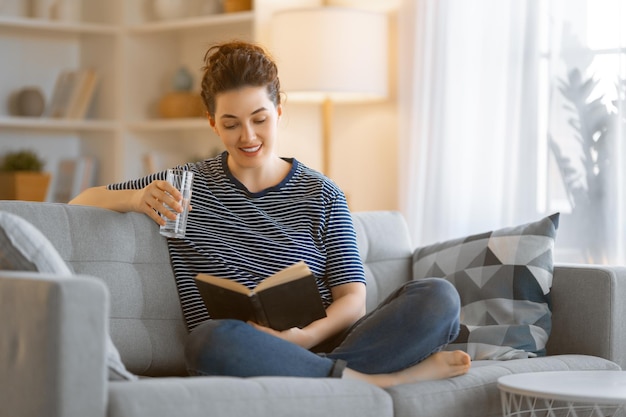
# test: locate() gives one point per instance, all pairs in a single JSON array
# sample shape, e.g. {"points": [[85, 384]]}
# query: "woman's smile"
{"points": [[251, 149]]}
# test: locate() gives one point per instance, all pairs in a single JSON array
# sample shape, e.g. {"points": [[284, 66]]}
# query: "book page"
{"points": [[291, 273]]}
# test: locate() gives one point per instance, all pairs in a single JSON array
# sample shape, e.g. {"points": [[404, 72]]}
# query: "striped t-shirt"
{"points": [[233, 233]]}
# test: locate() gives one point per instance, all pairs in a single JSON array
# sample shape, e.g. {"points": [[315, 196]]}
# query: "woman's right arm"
{"points": [[158, 197]]}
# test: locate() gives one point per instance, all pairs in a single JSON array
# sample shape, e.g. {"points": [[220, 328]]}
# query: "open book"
{"points": [[287, 299]]}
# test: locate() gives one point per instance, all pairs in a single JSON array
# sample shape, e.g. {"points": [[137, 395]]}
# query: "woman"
{"points": [[255, 213]]}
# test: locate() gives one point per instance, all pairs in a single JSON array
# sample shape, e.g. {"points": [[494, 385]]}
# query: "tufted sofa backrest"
{"points": [[386, 252], [128, 254]]}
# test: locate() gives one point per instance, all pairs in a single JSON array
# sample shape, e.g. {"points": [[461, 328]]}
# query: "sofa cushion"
{"points": [[504, 279], [476, 393], [248, 397], [24, 248]]}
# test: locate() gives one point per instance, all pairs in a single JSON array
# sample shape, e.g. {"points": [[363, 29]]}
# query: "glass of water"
{"points": [[182, 180]]}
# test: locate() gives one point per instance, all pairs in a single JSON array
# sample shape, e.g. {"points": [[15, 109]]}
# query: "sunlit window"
{"points": [[588, 37], [581, 108]]}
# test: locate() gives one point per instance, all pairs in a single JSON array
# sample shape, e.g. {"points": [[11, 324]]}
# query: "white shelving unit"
{"points": [[33, 52], [136, 57], [154, 51]]}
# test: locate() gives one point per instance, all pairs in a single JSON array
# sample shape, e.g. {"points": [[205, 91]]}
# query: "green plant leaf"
{"points": [[25, 160]]}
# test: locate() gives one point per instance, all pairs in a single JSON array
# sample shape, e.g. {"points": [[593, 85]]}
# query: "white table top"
{"points": [[603, 387]]}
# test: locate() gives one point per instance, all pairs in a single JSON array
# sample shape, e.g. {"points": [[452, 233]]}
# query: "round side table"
{"points": [[564, 393]]}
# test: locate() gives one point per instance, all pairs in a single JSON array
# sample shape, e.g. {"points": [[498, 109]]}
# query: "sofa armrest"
{"points": [[52, 345], [589, 307]]}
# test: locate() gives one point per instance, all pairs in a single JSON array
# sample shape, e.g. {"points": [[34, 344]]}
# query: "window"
{"points": [[581, 112]]}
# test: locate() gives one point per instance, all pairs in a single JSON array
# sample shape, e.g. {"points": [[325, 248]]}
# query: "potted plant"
{"points": [[22, 177], [596, 132]]}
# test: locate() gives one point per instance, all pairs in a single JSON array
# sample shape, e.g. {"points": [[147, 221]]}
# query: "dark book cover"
{"points": [[287, 299]]}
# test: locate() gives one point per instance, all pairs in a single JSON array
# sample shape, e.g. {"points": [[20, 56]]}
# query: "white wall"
{"points": [[364, 139]]}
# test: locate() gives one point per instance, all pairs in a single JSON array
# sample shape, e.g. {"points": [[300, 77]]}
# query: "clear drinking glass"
{"points": [[182, 180]]}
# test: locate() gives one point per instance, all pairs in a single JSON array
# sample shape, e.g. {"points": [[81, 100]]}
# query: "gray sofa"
{"points": [[54, 331]]}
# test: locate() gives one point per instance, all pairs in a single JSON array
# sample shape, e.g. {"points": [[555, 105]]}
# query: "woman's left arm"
{"points": [[347, 307]]}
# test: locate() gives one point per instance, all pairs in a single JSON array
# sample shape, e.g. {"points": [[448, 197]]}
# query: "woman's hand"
{"points": [[348, 306], [158, 198]]}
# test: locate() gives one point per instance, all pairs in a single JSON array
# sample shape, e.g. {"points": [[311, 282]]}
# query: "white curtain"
{"points": [[479, 82], [468, 97]]}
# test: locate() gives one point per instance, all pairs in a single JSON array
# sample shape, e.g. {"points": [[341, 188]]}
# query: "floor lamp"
{"points": [[329, 55]]}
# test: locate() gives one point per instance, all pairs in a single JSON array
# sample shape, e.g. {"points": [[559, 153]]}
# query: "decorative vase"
{"points": [[41, 9], [50, 9], [182, 80], [30, 102], [181, 104], [232, 6], [169, 9]]}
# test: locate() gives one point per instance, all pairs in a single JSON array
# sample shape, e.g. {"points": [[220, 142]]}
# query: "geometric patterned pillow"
{"points": [[503, 278]]}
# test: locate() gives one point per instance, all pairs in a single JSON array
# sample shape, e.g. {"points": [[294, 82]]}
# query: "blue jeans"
{"points": [[417, 320]]}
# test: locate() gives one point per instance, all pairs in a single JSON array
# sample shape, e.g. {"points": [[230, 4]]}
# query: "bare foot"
{"points": [[440, 365]]}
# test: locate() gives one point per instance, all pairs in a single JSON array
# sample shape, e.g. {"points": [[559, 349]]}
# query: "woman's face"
{"points": [[246, 121]]}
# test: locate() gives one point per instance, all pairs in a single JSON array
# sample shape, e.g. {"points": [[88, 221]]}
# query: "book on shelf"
{"points": [[82, 95], [60, 95], [289, 298], [74, 175], [73, 93]]}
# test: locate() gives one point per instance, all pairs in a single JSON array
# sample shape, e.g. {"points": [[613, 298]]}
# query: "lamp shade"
{"points": [[331, 53]]}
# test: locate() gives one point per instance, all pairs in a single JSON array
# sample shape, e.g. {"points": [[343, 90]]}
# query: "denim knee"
{"points": [[442, 291], [206, 350], [443, 300]]}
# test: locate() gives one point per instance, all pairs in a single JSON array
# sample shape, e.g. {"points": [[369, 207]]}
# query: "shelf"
{"points": [[56, 26], [47, 124], [170, 124], [192, 23], [135, 57]]}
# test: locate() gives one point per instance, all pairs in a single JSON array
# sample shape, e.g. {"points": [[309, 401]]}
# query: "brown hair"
{"points": [[232, 65]]}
